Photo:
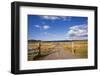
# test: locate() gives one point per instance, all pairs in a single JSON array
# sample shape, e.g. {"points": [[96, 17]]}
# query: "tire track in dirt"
{"points": [[59, 53]]}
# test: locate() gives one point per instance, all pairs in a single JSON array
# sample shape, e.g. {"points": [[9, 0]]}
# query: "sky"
{"points": [[49, 27]]}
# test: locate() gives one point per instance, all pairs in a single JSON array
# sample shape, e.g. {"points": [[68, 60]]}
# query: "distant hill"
{"points": [[34, 40], [55, 40]]}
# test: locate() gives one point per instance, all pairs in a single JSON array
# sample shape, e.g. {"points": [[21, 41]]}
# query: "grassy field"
{"points": [[33, 49], [40, 49], [80, 48]]}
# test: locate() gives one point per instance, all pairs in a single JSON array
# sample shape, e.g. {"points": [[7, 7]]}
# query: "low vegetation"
{"points": [[40, 49]]}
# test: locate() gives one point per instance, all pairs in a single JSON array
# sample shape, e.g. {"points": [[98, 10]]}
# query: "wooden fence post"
{"points": [[73, 48], [39, 53]]}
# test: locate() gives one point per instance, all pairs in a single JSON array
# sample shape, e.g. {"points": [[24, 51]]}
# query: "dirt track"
{"points": [[59, 53]]}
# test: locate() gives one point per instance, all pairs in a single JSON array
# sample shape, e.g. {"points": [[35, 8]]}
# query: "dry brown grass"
{"points": [[80, 48]]}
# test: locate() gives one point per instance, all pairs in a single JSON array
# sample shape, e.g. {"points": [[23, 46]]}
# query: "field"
{"points": [[49, 50], [80, 48]]}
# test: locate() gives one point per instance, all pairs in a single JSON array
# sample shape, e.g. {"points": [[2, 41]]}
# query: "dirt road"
{"points": [[59, 53]]}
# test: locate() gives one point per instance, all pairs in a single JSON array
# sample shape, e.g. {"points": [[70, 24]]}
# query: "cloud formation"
{"points": [[37, 26], [49, 34], [50, 17], [78, 32], [45, 27], [56, 17]]}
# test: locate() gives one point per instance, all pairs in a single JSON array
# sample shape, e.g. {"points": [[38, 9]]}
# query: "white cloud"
{"points": [[50, 17], [56, 17], [45, 27], [77, 32], [68, 18], [49, 34], [37, 26]]}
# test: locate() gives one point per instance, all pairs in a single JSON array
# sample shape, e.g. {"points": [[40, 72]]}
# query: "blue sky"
{"points": [[49, 27]]}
